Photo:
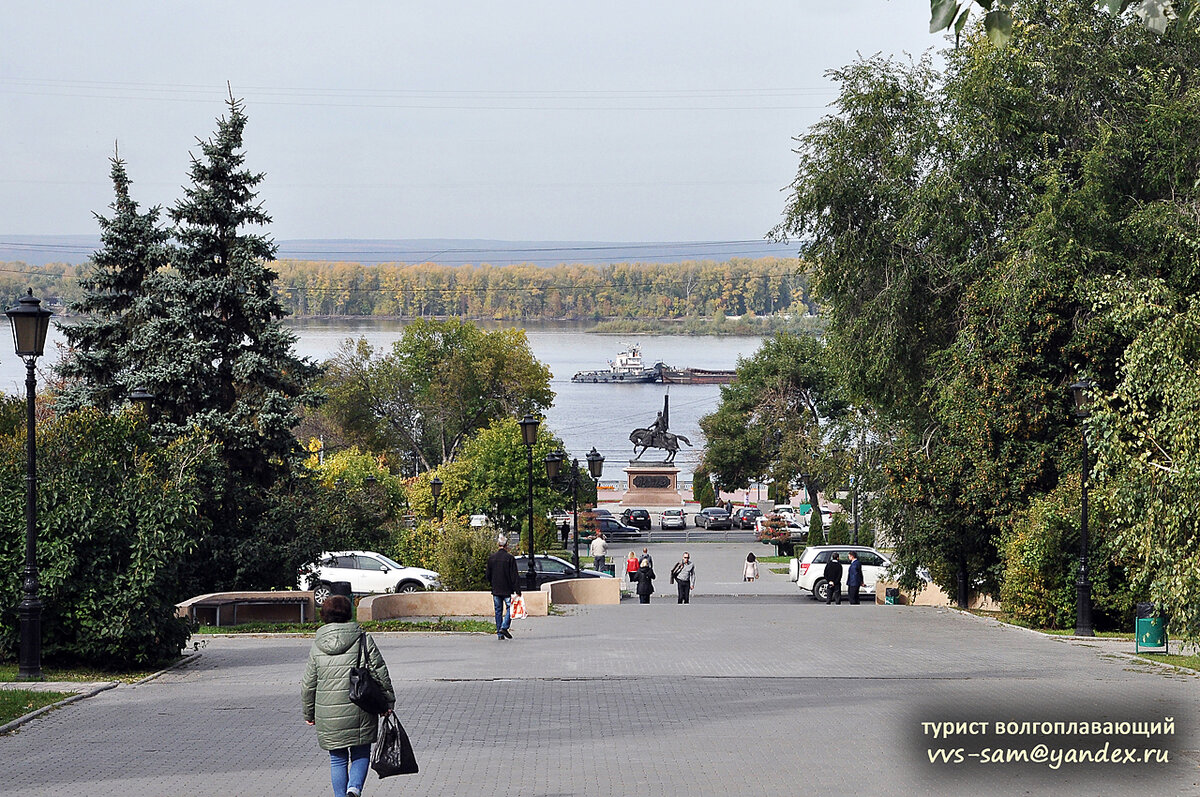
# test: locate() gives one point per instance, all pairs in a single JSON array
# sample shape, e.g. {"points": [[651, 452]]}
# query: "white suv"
{"points": [[368, 572], [809, 570]]}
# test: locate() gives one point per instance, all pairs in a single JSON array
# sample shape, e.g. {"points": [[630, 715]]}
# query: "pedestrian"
{"points": [[647, 557], [645, 587], [684, 576], [750, 571], [854, 578], [833, 579], [343, 729], [631, 568], [598, 548], [502, 575]]}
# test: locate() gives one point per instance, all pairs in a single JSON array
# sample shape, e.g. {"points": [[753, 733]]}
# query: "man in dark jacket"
{"points": [[506, 582], [833, 575], [854, 578]]}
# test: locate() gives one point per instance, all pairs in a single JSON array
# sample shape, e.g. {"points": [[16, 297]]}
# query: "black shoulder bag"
{"points": [[365, 691]]}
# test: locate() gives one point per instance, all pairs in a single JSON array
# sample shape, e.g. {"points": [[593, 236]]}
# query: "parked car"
{"points": [[638, 518], [808, 571], [713, 517], [614, 530], [744, 516], [368, 573], [673, 519], [551, 568]]}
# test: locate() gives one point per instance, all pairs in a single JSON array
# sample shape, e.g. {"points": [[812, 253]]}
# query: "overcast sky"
{"points": [[567, 120]]}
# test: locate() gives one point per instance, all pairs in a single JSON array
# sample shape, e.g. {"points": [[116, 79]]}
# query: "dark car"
{"points": [[614, 530], [551, 568], [638, 518], [713, 517], [745, 516]]}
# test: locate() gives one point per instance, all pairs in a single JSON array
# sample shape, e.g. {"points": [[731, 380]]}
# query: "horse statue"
{"points": [[649, 438]]}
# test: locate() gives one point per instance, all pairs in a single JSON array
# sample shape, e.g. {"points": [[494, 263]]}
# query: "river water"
{"points": [[583, 415]]}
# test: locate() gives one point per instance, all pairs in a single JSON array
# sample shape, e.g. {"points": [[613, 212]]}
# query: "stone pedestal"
{"points": [[652, 484]]}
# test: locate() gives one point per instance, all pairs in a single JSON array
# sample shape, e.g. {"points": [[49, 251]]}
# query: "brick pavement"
{"points": [[724, 697]]}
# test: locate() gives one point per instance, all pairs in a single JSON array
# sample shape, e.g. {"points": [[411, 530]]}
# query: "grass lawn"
{"points": [[441, 624], [19, 702], [774, 560], [783, 571], [8, 673], [1189, 662]]}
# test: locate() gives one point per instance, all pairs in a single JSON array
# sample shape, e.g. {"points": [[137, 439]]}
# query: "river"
{"points": [[583, 415]]}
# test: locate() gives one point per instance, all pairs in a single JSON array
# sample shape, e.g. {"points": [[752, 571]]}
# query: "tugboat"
{"points": [[627, 368]]}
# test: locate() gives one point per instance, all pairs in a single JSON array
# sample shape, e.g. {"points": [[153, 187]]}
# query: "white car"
{"points": [[368, 573], [809, 570], [673, 519]]}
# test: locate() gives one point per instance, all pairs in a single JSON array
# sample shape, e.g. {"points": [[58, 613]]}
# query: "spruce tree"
{"points": [[222, 359], [101, 368]]}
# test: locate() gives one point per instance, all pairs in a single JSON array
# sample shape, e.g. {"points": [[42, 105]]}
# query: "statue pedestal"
{"points": [[652, 484]]}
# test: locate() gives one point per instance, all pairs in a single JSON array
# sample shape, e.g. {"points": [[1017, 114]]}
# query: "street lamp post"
{"points": [[529, 432], [1082, 391], [435, 489], [554, 462], [30, 322]]}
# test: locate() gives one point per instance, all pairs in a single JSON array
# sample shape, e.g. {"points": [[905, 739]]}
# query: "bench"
{"points": [[225, 605]]}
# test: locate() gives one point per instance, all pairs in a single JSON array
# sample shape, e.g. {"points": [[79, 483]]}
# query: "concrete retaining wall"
{"points": [[933, 595], [443, 604], [249, 607], [606, 591]]}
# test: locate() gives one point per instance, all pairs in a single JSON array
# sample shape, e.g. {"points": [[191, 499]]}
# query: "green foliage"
{"points": [[441, 383], [702, 489], [100, 369], [839, 529], [462, 555], [1042, 565], [117, 515], [1147, 439], [416, 546], [958, 224], [1155, 15]]}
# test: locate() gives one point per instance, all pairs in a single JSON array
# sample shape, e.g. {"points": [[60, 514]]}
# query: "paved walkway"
{"points": [[765, 695]]}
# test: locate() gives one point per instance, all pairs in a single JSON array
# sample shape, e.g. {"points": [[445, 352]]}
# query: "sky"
{"points": [[552, 121]]}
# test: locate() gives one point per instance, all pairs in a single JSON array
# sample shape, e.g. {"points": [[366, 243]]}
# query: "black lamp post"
{"points": [[435, 489], [30, 322], [529, 433], [554, 462], [1082, 391]]}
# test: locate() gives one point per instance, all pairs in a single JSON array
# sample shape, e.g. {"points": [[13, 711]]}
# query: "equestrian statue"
{"points": [[657, 436]]}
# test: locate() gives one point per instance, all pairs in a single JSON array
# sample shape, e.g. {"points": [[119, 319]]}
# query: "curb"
{"points": [[188, 658], [19, 721]]}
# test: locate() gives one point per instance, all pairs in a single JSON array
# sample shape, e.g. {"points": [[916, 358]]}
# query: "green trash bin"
{"points": [[1150, 630]]}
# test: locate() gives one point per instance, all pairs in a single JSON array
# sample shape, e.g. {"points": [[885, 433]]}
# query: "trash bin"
{"points": [[339, 588], [609, 567], [1150, 630], [891, 595]]}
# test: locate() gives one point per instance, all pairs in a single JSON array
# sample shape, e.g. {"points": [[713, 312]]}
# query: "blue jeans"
{"points": [[348, 768], [502, 606]]}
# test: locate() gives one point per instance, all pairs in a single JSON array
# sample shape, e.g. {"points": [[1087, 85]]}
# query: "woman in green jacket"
{"points": [[344, 729]]}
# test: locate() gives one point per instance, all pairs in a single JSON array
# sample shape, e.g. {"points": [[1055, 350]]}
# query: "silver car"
{"points": [[673, 519]]}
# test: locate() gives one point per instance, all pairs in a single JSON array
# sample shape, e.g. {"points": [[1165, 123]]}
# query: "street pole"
{"points": [[1083, 587], [30, 610]]}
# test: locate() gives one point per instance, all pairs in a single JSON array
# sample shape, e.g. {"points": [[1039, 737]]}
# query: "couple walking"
{"points": [[683, 575]]}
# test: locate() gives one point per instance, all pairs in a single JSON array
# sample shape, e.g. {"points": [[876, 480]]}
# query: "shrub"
{"points": [[117, 516], [417, 546], [462, 554], [839, 529], [1041, 565], [702, 490]]}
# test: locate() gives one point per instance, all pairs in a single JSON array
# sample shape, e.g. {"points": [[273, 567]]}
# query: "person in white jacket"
{"points": [[599, 549], [750, 571]]}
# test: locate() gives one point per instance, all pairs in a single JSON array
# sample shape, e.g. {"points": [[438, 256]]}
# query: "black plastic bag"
{"points": [[393, 753], [365, 692]]}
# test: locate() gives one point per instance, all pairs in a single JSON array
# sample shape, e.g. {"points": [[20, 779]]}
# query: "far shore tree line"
{"points": [[666, 291]]}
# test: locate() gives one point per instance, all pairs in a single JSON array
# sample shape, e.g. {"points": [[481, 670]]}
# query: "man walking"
{"points": [[598, 548], [854, 578], [833, 579], [684, 574], [506, 582]]}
